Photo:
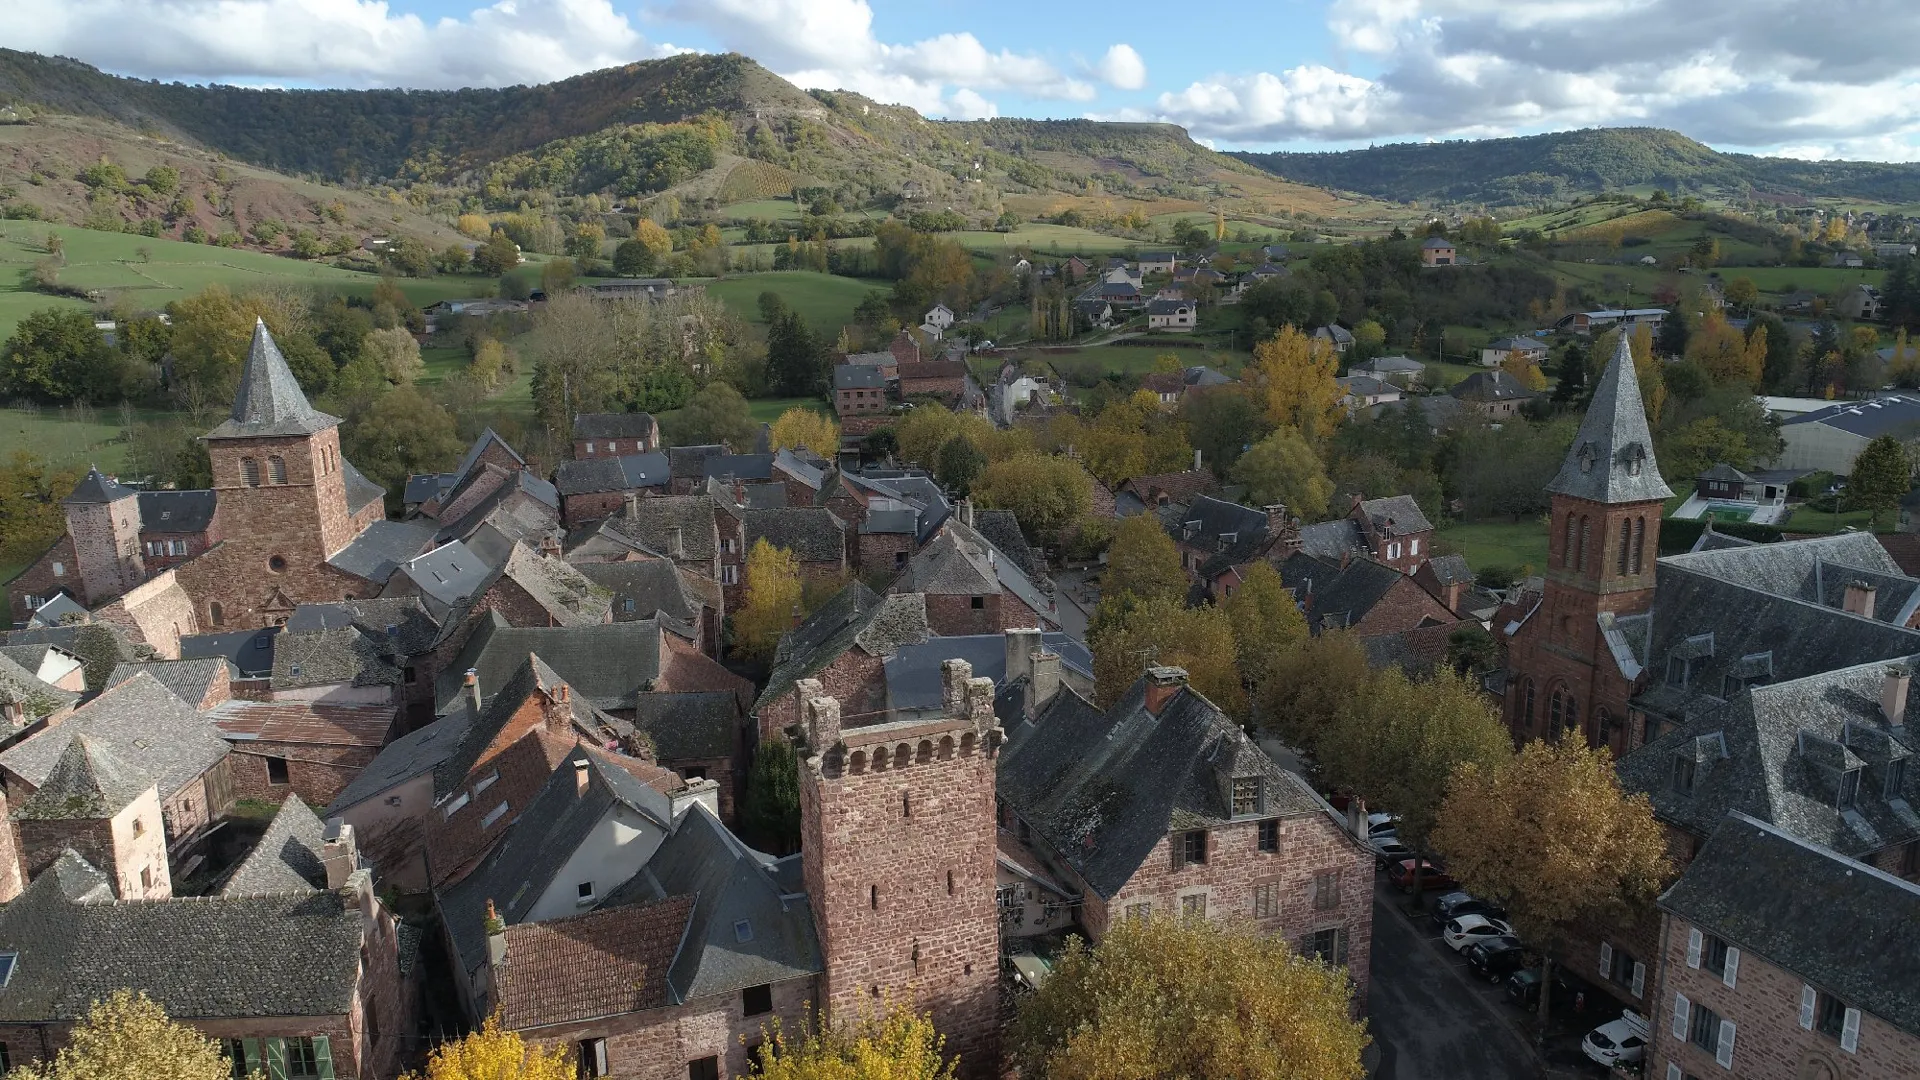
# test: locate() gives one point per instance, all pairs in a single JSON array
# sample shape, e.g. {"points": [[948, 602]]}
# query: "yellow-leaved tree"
{"points": [[1721, 349], [773, 594], [1550, 833], [891, 1044], [1128, 635], [1311, 684], [128, 1037], [656, 239], [811, 429], [493, 1053], [1294, 374], [1048, 493], [474, 226], [1266, 621], [1523, 370], [1143, 561], [1164, 997]]}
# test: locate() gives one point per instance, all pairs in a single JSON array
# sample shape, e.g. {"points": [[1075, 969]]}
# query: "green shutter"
{"points": [[322, 1057], [276, 1059], [250, 1054]]}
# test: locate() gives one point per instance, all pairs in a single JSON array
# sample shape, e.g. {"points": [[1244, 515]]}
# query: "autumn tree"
{"points": [[801, 428], [473, 226], [1266, 621], [583, 244], [128, 1036], [1165, 997], [213, 329], [1048, 494], [654, 238], [770, 814], [30, 514], [1550, 833], [1310, 685], [399, 434], [1143, 562], [958, 464], [1294, 374], [1284, 469], [1128, 635], [1721, 349], [397, 354], [717, 414], [772, 595], [890, 1043], [494, 1053], [1882, 475], [1523, 370], [1742, 293], [632, 258], [497, 256]]}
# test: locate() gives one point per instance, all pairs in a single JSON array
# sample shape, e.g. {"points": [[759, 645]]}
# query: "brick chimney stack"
{"points": [[581, 776], [472, 684], [558, 711], [1859, 599], [1046, 682], [676, 543], [339, 853], [633, 506], [1893, 694], [1162, 684]]}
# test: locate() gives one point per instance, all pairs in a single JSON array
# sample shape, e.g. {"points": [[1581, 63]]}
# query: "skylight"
{"points": [[742, 931], [7, 961]]}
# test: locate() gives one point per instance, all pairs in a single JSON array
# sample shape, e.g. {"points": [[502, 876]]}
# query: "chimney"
{"points": [[1453, 596], [1196, 461], [1356, 499], [1859, 599], [1893, 694], [1046, 681], [1276, 518], [676, 542], [633, 506], [966, 512], [558, 711], [550, 546], [1022, 646], [1163, 683], [339, 853], [740, 493], [472, 683], [581, 767], [496, 937], [819, 716]]}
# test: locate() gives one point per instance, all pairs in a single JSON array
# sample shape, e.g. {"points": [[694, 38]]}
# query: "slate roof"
{"points": [[1168, 307], [653, 517], [626, 473], [630, 425], [1723, 471], [521, 519], [811, 533], [270, 401], [1611, 460], [1437, 243], [1494, 385], [1451, 569], [177, 511], [1179, 487], [858, 377], [422, 487], [1103, 788], [401, 623], [960, 562], [95, 488], [1365, 385], [610, 665], [1335, 333], [643, 588], [738, 466], [1396, 515], [189, 680], [689, 462], [140, 722], [1389, 365], [856, 617], [87, 782], [343, 657], [807, 469], [487, 438], [1002, 529], [1336, 597], [287, 858], [1893, 414], [57, 610], [1206, 520], [410, 755], [249, 651], [913, 672], [381, 547], [18, 686], [532, 676], [1843, 926], [200, 957], [448, 575], [683, 726], [602, 963]]}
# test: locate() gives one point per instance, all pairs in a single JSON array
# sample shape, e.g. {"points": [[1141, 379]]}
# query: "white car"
{"points": [[1467, 929], [1618, 1042], [1382, 825]]}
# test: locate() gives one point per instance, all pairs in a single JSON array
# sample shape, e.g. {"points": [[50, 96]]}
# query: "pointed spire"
{"points": [[270, 401], [87, 782], [97, 487], [1611, 460]]}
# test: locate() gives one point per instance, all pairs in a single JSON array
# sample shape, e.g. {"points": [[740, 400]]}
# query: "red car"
{"points": [[1400, 874]]}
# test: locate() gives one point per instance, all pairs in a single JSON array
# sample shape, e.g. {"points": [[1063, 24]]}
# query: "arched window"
{"points": [[1639, 541], [216, 614], [902, 756], [1526, 698], [1573, 712], [1567, 557], [966, 744], [946, 747], [1556, 704], [277, 469], [1626, 541], [1586, 535], [926, 751], [249, 472], [880, 760], [858, 763]]}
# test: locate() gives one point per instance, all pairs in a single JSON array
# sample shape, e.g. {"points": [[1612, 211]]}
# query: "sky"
{"points": [[1831, 80]]}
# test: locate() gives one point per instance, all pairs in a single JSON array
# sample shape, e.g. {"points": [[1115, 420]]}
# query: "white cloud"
{"points": [[1122, 68], [334, 42]]}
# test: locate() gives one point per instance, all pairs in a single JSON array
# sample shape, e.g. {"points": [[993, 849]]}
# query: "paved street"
{"points": [[1425, 1017]]}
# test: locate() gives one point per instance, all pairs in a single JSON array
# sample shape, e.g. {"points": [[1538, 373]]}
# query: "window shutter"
{"points": [[250, 1055], [1733, 966], [323, 1057], [1724, 1052], [1340, 960], [1639, 979], [1694, 943], [1606, 960], [1682, 1008], [1850, 1031], [1807, 999], [276, 1059], [1673, 1071]]}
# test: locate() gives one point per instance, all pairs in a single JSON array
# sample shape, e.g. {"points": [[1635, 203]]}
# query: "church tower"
{"points": [[103, 519], [1603, 540], [282, 498]]}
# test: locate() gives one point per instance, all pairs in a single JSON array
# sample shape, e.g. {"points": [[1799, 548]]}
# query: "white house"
{"points": [[1177, 316], [1496, 351], [1364, 391], [940, 317], [1158, 262]]}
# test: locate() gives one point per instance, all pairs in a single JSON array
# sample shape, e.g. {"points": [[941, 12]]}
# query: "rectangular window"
{"points": [[301, 1059], [1830, 1015], [277, 770], [1326, 890], [756, 1000], [585, 892], [493, 815], [1329, 945], [1713, 955], [706, 1068], [1849, 788], [486, 781], [1683, 770], [730, 574], [593, 1057], [1266, 900], [1896, 778], [1703, 1030], [459, 803], [1413, 546], [979, 603], [1141, 910], [1270, 836], [1246, 796], [1191, 848]]}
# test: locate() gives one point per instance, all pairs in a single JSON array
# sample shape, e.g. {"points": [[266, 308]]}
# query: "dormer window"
{"points": [[1246, 796], [1586, 457], [1896, 778], [1683, 774], [1849, 789]]}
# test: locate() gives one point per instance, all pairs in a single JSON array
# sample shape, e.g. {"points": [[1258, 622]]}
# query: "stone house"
{"points": [[175, 526], [593, 488], [28, 702], [942, 379], [816, 538], [698, 735], [528, 589], [1391, 531], [1138, 493], [614, 435], [1493, 393], [971, 587], [426, 492], [842, 647], [1362, 597], [1193, 820], [658, 589], [312, 749], [859, 391], [688, 466], [1437, 251], [694, 532], [803, 473], [98, 807]]}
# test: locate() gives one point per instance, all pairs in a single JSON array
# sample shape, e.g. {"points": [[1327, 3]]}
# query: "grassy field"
{"points": [[69, 436], [1047, 240], [765, 209], [1825, 280], [1134, 359], [1805, 519], [442, 361], [827, 301], [767, 410], [1517, 545]]}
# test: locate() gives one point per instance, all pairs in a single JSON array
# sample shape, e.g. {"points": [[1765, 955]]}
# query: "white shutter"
{"points": [[1850, 1031], [1673, 1071], [1639, 979], [1807, 999], [1606, 960], [1682, 1008], [1694, 944], [1724, 1052], [1733, 966]]}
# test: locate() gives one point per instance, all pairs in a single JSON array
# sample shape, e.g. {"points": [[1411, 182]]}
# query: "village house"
{"points": [[938, 320], [971, 587], [687, 604], [1392, 531], [1177, 316], [593, 489], [425, 492], [1493, 394], [841, 647], [1158, 262], [614, 434], [1437, 251], [1364, 392], [1137, 494], [1335, 335], [941, 379], [859, 390], [1530, 349], [1361, 596]]}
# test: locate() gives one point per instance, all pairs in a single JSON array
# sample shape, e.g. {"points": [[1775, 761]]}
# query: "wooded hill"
{"points": [[1537, 169]]}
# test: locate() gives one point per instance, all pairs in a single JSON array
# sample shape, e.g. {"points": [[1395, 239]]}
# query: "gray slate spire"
{"points": [[270, 401], [87, 783], [1611, 460], [96, 487]]}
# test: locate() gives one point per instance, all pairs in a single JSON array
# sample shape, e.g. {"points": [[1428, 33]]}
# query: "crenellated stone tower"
{"points": [[1564, 672], [103, 518], [897, 841]]}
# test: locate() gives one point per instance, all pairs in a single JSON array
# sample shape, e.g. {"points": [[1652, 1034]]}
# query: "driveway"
{"points": [[1425, 1017]]}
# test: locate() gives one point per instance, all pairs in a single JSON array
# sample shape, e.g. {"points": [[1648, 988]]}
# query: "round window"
{"points": [[277, 563]]}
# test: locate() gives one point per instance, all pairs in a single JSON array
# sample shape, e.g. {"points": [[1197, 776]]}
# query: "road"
{"points": [[1428, 1023]]}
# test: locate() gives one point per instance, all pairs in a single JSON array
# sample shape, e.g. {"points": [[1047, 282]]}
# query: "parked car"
{"points": [[1523, 988], [1496, 959], [1618, 1042], [1389, 850], [1379, 825], [1464, 930], [1401, 874], [1455, 904]]}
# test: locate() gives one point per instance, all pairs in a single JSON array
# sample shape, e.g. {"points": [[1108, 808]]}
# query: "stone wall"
{"points": [[11, 881], [315, 773], [660, 1044], [106, 541], [158, 612], [856, 678], [883, 553], [1405, 606], [41, 580]]}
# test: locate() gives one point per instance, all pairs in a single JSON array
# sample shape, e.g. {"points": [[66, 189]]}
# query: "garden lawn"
{"points": [[70, 436], [767, 410], [1808, 520], [764, 209], [826, 300], [1517, 545]]}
